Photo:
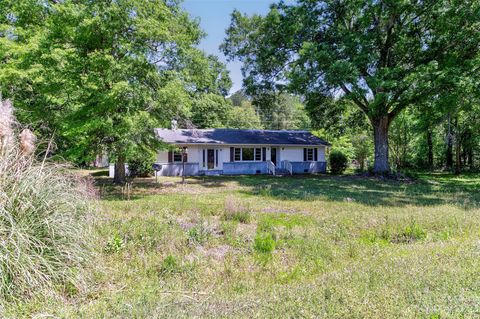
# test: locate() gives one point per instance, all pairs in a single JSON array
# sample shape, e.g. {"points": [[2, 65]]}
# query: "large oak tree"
{"points": [[101, 74], [382, 55]]}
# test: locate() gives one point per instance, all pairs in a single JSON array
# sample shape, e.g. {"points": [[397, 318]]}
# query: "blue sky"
{"points": [[214, 20]]}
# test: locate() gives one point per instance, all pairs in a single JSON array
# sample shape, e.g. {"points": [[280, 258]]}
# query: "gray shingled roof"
{"points": [[235, 136]]}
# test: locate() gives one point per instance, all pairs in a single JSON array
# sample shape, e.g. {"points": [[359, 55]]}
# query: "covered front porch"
{"points": [[243, 168]]}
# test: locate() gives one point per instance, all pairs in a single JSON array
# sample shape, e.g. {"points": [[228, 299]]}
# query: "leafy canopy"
{"points": [[381, 55], [100, 75]]}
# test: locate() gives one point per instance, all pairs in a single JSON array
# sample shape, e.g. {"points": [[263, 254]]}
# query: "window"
{"points": [[238, 154], [177, 156], [258, 154], [309, 154], [247, 154]]}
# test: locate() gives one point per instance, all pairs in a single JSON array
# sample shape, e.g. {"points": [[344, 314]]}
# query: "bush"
{"points": [[44, 214], [141, 166], [338, 162]]}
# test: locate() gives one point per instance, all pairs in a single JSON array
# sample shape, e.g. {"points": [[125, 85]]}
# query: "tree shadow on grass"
{"points": [[427, 190], [368, 191], [145, 187]]}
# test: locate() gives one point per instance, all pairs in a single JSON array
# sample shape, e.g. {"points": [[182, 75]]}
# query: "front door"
{"points": [[210, 159], [274, 155]]}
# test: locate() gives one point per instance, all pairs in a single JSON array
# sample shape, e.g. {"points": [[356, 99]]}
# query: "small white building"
{"points": [[235, 152]]}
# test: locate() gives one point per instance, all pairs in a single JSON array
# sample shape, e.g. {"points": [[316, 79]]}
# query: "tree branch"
{"points": [[362, 106]]}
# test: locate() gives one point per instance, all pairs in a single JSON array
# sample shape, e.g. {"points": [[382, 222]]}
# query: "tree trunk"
{"points": [[458, 160], [380, 131], [120, 176], [449, 153], [430, 149], [470, 157]]}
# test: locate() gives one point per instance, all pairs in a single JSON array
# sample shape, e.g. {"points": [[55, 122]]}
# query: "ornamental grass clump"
{"points": [[44, 212]]}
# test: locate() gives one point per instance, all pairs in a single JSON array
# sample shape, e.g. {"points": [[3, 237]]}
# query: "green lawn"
{"points": [[261, 246]]}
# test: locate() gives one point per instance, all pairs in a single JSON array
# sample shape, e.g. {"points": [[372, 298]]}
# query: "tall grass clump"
{"points": [[235, 211], [44, 214]]}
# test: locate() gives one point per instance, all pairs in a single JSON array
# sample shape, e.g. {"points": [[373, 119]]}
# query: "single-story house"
{"points": [[236, 152]]}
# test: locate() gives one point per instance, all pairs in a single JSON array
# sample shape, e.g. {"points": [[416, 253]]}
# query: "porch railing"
{"points": [[271, 167], [288, 166]]}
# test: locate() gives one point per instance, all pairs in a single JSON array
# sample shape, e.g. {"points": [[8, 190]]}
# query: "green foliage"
{"points": [[238, 98], [411, 233], [99, 76], [140, 164], [45, 223], [115, 244], [170, 265], [382, 67], [264, 243], [244, 116], [140, 167], [238, 216], [210, 111], [198, 234], [281, 111], [395, 234], [324, 236], [362, 149], [338, 162]]}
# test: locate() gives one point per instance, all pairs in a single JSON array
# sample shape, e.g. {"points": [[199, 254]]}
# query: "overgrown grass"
{"points": [[311, 246], [44, 225]]}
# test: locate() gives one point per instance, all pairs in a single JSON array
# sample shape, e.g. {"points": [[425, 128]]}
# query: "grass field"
{"points": [[261, 246]]}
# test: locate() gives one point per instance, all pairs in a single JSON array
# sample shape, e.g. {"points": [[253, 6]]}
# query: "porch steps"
{"points": [[216, 172], [281, 172]]}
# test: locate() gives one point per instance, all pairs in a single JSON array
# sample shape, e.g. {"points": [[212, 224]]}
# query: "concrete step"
{"points": [[281, 172]]}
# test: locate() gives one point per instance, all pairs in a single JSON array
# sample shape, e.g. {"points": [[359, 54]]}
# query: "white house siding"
{"points": [[195, 155], [111, 170], [289, 153], [295, 153], [162, 157]]}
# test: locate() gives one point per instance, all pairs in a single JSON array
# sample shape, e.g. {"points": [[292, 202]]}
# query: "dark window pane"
{"points": [[247, 154], [237, 154], [258, 154], [309, 154], [177, 156]]}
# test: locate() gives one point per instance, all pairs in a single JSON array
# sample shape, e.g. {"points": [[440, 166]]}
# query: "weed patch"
{"points": [[115, 245], [236, 211], [199, 234]]}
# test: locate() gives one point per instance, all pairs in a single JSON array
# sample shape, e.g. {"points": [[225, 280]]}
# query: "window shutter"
{"points": [[315, 154], [304, 154], [232, 150], [170, 156], [185, 157], [264, 154]]}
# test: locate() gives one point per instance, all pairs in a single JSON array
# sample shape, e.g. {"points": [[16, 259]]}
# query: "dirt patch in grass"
{"points": [[217, 253]]}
